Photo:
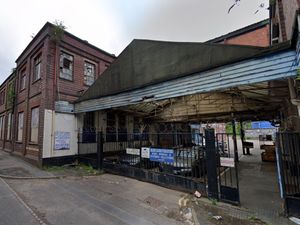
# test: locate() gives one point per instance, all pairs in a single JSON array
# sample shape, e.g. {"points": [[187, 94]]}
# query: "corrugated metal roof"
{"points": [[271, 67]]}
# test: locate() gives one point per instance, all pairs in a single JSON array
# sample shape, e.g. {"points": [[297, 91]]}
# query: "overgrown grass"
{"points": [[75, 169]]}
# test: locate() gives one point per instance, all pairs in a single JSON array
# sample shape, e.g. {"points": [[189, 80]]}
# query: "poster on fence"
{"points": [[227, 162], [162, 155], [132, 151], [145, 152], [62, 140]]}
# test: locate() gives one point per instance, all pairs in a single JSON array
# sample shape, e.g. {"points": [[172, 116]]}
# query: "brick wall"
{"points": [[50, 87], [5, 109], [285, 15], [258, 37]]}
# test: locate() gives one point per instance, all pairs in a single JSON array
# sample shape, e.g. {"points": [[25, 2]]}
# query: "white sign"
{"points": [[227, 162], [145, 152], [132, 151], [62, 140]]}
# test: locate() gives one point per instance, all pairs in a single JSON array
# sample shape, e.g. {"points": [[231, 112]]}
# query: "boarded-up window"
{"points": [[23, 81], [2, 127], [34, 132], [89, 73], [9, 121], [37, 68], [20, 126], [66, 66]]}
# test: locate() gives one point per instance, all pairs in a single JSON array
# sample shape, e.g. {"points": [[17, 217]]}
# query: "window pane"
{"points": [[20, 127], [66, 66], [37, 68], [34, 124], [1, 127], [23, 82], [9, 119], [89, 73], [37, 72]]}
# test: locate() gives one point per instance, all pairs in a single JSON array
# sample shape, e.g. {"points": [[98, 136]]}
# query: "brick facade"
{"points": [[283, 13], [50, 87], [257, 34], [258, 37]]}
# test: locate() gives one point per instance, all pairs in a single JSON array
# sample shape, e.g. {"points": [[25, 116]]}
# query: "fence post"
{"points": [[280, 170], [141, 149], [235, 148], [211, 164], [99, 150]]}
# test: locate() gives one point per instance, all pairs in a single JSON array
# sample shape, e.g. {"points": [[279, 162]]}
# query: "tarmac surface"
{"points": [[110, 199]]}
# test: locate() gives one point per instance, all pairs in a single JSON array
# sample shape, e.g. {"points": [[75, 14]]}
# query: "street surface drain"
{"points": [[153, 202]]}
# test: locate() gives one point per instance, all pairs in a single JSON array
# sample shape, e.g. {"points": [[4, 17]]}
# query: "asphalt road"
{"points": [[105, 199]]}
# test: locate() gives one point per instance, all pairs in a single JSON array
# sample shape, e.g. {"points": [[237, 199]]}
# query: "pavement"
{"points": [[16, 167], [259, 189]]}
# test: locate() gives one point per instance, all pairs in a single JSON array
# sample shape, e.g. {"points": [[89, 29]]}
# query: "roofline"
{"points": [[203, 43], [283, 46], [87, 43], [240, 31], [48, 24]]}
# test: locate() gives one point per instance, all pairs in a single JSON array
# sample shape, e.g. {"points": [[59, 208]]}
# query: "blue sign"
{"points": [[162, 155], [261, 125]]}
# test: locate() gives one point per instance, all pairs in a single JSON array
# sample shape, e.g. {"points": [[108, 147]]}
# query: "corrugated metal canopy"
{"points": [[262, 100], [268, 68], [146, 62]]}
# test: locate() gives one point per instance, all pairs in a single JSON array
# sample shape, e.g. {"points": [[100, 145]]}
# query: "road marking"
{"points": [[24, 203]]}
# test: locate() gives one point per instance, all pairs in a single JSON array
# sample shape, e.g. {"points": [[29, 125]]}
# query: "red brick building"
{"points": [[53, 71], [257, 34], [283, 14]]}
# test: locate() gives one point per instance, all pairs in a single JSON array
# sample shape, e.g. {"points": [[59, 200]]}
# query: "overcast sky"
{"points": [[112, 24]]}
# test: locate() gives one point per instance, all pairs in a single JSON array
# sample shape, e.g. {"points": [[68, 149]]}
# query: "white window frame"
{"points": [[89, 73], [66, 72]]}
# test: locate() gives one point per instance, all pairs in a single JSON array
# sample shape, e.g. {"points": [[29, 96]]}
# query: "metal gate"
{"points": [[227, 170], [175, 160], [288, 158], [184, 161]]}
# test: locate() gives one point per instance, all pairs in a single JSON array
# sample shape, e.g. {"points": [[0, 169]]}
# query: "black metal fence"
{"points": [[288, 154], [177, 157], [177, 160], [227, 169]]}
